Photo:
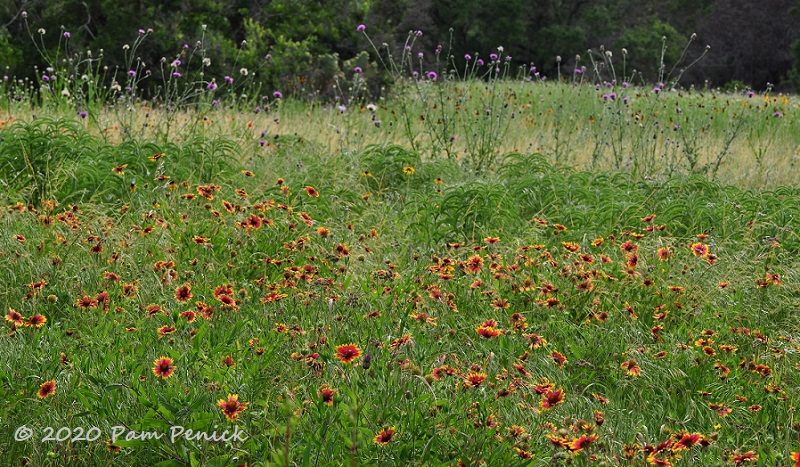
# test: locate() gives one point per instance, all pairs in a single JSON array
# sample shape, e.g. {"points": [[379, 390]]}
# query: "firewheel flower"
{"points": [[347, 353], [48, 388], [183, 293], [385, 436], [163, 367], [231, 407]]}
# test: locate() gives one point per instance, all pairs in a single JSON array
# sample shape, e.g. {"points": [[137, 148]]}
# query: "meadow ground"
{"points": [[504, 274]]}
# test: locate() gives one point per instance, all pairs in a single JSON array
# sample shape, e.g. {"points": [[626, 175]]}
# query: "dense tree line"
{"points": [[304, 44]]}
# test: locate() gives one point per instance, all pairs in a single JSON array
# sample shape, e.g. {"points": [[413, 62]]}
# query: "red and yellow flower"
{"points": [[163, 367], [231, 407], [347, 353]]}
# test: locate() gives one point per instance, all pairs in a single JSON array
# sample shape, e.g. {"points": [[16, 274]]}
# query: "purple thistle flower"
{"points": [[432, 75], [624, 84], [419, 33], [358, 69], [45, 78], [131, 72], [214, 103], [612, 96], [656, 89], [261, 142], [777, 114], [361, 28], [277, 95], [624, 100], [83, 114], [420, 55], [141, 31], [176, 74], [493, 56], [750, 94], [66, 34], [228, 80], [480, 62], [415, 74], [342, 109], [467, 57], [508, 58], [212, 86]]}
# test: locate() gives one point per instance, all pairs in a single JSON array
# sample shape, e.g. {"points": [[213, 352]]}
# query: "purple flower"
{"points": [[467, 57], [67, 34], [656, 89], [508, 58], [415, 74], [432, 75], [212, 86], [777, 114], [141, 31], [612, 96], [377, 123], [176, 74], [480, 62], [342, 109], [419, 33], [624, 100], [624, 84], [45, 78], [131, 72], [83, 114], [257, 110], [750, 94], [493, 56], [420, 55], [578, 71], [261, 142], [361, 28], [605, 97], [176, 63], [277, 95], [228, 79], [214, 103], [358, 69]]}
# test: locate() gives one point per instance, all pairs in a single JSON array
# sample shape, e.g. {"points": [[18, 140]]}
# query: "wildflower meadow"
{"points": [[462, 264]]}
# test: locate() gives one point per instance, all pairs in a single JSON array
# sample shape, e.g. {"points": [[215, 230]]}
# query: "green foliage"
{"points": [[651, 48]]}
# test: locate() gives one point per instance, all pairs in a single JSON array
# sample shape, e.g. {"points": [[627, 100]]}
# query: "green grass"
{"points": [[397, 248]]}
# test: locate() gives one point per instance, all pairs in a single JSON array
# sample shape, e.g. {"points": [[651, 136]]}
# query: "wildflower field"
{"points": [[475, 271]]}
